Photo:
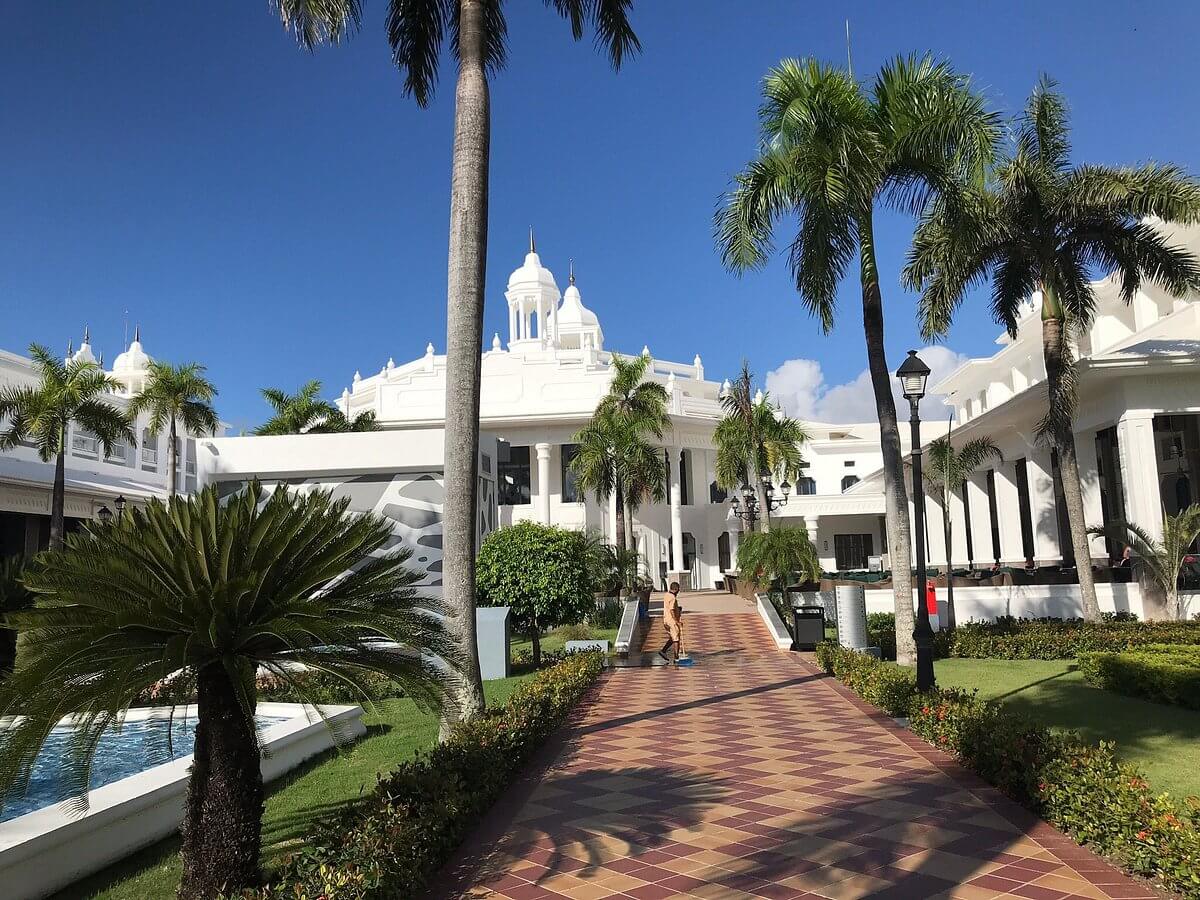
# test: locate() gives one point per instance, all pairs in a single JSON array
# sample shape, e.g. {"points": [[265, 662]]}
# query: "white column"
{"points": [[1139, 470], [543, 470], [1008, 511], [735, 537], [1041, 502], [674, 459], [810, 526], [1089, 483], [981, 528], [541, 320], [612, 519], [512, 324], [956, 554]]}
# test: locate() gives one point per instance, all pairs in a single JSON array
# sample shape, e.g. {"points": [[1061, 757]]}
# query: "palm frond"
{"points": [[316, 22]]}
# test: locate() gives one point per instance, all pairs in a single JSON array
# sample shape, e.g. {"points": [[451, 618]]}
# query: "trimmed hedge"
{"points": [[390, 844], [1082, 789], [1009, 638], [1164, 673]]}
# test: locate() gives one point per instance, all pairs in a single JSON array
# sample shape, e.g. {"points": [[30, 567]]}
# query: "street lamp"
{"points": [[748, 510], [104, 514], [119, 503], [913, 374]]}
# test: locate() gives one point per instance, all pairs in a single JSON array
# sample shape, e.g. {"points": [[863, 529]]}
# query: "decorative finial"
{"points": [[71, 347], [137, 333], [758, 397], [496, 341], [87, 334], [391, 364], [532, 245], [429, 349], [101, 361], [646, 350], [571, 278], [357, 376]]}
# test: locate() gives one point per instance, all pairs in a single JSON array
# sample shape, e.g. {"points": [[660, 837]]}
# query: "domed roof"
{"points": [[134, 359], [572, 311], [84, 353], [532, 272]]}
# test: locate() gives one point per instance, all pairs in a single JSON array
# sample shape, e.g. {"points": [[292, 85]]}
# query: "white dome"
{"points": [[573, 312], [135, 359], [532, 272]]}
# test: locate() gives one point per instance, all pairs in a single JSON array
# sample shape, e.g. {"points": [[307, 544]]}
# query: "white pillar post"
{"points": [[735, 537], [1089, 485], [1008, 511], [810, 526], [1139, 470], [981, 527], [543, 469], [674, 459], [1041, 502]]}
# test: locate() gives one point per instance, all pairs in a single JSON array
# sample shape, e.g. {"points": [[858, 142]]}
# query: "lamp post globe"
{"points": [[104, 514], [913, 375]]}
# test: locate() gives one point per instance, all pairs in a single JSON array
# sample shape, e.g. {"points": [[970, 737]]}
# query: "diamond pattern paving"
{"points": [[753, 775]]}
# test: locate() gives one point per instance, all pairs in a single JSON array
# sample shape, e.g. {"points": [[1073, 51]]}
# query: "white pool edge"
{"points": [[48, 849]]}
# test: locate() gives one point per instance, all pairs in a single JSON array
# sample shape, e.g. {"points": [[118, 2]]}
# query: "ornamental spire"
{"points": [[532, 245], [571, 277]]}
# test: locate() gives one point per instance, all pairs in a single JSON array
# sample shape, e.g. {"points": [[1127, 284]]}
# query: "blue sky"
{"points": [[281, 216]]}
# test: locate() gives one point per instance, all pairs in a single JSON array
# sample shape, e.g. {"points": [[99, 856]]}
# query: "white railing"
{"points": [[83, 445], [116, 453], [149, 456]]}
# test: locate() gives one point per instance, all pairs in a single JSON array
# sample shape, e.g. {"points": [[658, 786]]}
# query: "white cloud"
{"points": [[800, 386]]}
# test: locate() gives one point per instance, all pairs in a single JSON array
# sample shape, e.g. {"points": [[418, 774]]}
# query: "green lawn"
{"points": [[1163, 740], [395, 731], [555, 639]]}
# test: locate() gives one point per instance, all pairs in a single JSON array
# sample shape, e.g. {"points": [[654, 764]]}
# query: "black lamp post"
{"points": [[104, 514], [749, 510], [119, 503], [913, 374]]}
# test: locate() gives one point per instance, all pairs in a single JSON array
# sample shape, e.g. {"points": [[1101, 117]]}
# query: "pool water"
{"points": [[135, 747]]}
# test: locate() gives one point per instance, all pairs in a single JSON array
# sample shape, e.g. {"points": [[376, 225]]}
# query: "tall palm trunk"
{"points": [[464, 340], [894, 491], [222, 824], [173, 458], [764, 509], [620, 501], [947, 494], [58, 495], [1060, 400], [630, 537]]}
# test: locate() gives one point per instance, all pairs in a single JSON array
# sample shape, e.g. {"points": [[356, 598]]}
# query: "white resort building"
{"points": [[1137, 436], [94, 479]]}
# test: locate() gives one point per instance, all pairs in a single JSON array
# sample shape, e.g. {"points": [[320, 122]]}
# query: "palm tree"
{"points": [[769, 557], [338, 422], [831, 152], [755, 439], [1044, 225], [478, 32], [614, 456], [947, 470], [1162, 559], [296, 413], [174, 395], [67, 391], [219, 590]]}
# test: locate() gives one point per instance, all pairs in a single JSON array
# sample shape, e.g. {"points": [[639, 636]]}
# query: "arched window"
{"points": [[848, 482]]}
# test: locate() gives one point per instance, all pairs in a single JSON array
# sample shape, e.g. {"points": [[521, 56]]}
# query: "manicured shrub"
{"points": [[1009, 638], [310, 686], [1079, 788], [543, 573], [1164, 673], [390, 843]]}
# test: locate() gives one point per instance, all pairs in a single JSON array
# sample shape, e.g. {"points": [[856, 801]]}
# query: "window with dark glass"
{"points": [[1112, 492], [806, 484], [850, 551], [1065, 547], [966, 502], [570, 487], [685, 478], [1021, 468], [512, 467], [716, 493], [993, 514], [848, 482]]}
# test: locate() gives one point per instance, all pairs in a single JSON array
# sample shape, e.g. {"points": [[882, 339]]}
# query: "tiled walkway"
{"points": [[752, 775]]}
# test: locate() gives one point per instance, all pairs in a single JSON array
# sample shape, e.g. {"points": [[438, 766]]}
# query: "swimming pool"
{"points": [[135, 747]]}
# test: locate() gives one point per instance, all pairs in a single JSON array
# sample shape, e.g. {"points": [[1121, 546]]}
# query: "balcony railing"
{"points": [[82, 445], [149, 457], [117, 453]]}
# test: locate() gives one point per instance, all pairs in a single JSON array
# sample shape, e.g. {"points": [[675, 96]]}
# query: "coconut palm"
{"points": [[1044, 225], [67, 391], [176, 395], [1161, 559], [296, 413], [946, 470], [755, 440], [218, 590], [832, 151], [416, 31], [338, 422], [614, 455]]}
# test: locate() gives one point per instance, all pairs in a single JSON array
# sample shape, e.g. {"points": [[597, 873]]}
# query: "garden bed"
{"points": [[1163, 673], [1080, 788]]}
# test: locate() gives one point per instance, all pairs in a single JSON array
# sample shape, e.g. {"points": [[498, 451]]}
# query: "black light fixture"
{"points": [[119, 503], [913, 374], [104, 514], [749, 509]]}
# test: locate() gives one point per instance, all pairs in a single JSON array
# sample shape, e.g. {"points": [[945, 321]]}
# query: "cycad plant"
{"points": [[946, 470], [832, 151], [174, 396], [755, 440], [218, 590], [1161, 559], [1045, 225], [67, 391], [476, 32], [768, 558]]}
